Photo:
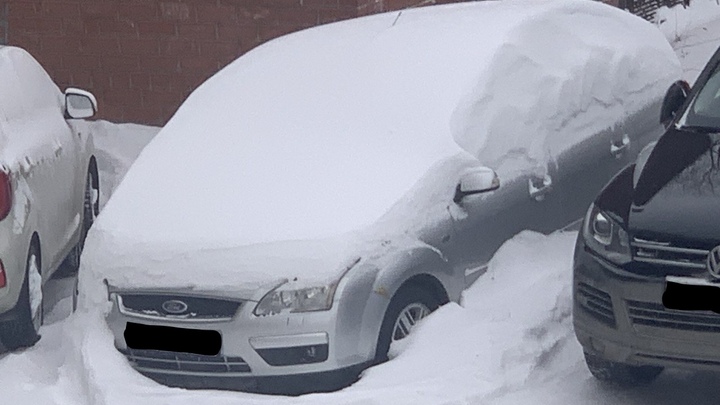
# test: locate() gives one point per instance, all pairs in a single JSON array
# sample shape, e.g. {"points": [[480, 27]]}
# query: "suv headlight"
{"points": [[604, 235], [285, 299]]}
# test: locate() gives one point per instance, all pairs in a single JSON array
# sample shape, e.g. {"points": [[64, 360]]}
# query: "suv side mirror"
{"points": [[79, 103], [476, 181], [674, 99]]}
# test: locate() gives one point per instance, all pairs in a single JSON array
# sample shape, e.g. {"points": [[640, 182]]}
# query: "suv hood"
{"points": [[679, 190]]}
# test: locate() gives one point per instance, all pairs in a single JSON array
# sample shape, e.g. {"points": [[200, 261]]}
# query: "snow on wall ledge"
{"points": [[326, 135]]}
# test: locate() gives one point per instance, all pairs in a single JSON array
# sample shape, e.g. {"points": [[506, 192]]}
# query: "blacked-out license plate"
{"points": [[691, 294], [166, 338]]}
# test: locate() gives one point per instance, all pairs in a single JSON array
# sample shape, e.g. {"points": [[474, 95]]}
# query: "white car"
{"points": [[315, 199], [48, 189]]}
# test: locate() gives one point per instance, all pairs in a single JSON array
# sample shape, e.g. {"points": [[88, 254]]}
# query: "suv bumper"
{"points": [[620, 317]]}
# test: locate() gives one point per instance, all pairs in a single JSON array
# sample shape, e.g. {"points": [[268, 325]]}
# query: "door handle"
{"points": [[617, 148], [539, 187]]}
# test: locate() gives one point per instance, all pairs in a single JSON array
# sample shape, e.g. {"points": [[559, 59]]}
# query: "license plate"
{"points": [[170, 339], [691, 294]]}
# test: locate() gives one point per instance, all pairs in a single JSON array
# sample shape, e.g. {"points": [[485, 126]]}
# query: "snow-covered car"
{"points": [[320, 195], [48, 189]]}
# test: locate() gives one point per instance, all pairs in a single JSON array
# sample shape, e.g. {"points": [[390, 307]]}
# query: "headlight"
{"points": [[283, 299], [604, 235]]}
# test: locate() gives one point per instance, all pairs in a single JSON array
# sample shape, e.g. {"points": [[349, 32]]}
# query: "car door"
{"points": [[50, 155], [584, 168], [482, 223]]}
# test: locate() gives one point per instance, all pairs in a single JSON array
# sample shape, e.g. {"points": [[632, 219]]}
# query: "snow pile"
{"points": [[693, 33], [116, 148], [316, 135], [678, 21]]}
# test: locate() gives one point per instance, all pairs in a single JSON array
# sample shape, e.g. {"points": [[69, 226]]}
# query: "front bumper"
{"points": [[284, 353], [620, 317]]}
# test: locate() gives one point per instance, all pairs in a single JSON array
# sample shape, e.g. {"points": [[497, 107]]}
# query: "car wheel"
{"points": [[409, 305], [91, 209], [620, 373], [24, 331]]}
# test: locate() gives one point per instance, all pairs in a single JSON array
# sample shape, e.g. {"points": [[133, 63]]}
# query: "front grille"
{"points": [[596, 302], [195, 308], [158, 360], [668, 254], [656, 315]]}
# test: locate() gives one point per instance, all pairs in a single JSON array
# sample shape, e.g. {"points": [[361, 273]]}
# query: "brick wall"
{"points": [[141, 58]]}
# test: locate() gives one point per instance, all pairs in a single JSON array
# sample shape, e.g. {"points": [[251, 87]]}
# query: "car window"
{"points": [[705, 109]]}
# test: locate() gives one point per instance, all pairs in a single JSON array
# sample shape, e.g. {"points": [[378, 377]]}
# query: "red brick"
{"points": [[142, 47], [100, 46], [99, 8], [160, 64], [51, 60], [177, 46], [121, 81], [161, 82], [119, 63], [297, 17], [24, 10], [219, 50], [254, 13], [214, 13], [43, 25], [197, 31], [110, 27], [267, 32], [61, 77], [175, 11], [57, 9], [328, 16], [136, 12], [155, 98], [73, 26], [59, 43], [156, 28], [80, 61], [198, 65], [140, 81], [81, 78]]}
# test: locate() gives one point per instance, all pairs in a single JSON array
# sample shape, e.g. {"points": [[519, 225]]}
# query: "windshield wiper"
{"points": [[700, 129]]}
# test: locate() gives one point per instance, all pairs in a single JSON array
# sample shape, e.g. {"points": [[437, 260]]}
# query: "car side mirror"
{"points": [[79, 103], [674, 99], [476, 181]]}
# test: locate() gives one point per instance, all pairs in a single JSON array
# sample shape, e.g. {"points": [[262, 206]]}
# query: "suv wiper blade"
{"points": [[700, 129]]}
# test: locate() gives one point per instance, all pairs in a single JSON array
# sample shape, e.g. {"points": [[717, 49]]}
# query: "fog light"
{"points": [[287, 356]]}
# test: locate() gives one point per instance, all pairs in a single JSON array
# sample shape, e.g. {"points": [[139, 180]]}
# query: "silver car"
{"points": [[308, 205], [48, 189]]}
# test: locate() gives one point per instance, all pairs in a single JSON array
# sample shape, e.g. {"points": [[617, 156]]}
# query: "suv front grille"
{"points": [[596, 302], [157, 360], [656, 315], [177, 307], [667, 254]]}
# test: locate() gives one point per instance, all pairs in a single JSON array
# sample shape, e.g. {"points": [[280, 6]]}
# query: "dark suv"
{"points": [[646, 282]]}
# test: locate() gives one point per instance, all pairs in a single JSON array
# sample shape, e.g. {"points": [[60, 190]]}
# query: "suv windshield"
{"points": [[704, 111]]}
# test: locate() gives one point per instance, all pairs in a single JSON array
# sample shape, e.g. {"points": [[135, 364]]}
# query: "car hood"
{"points": [[678, 191]]}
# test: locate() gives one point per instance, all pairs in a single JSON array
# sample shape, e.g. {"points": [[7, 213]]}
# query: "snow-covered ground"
{"points": [[511, 342]]}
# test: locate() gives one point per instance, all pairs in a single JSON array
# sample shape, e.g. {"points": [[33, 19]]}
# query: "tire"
{"points": [[91, 209], [24, 330], [408, 305], [620, 373]]}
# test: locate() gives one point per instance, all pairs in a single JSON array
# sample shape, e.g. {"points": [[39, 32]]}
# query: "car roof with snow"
{"points": [[319, 133]]}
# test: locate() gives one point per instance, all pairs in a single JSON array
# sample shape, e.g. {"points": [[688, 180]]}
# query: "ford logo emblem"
{"points": [[174, 307]]}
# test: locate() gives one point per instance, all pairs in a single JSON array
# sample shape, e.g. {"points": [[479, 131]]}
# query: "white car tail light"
{"points": [[3, 278], [5, 195]]}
